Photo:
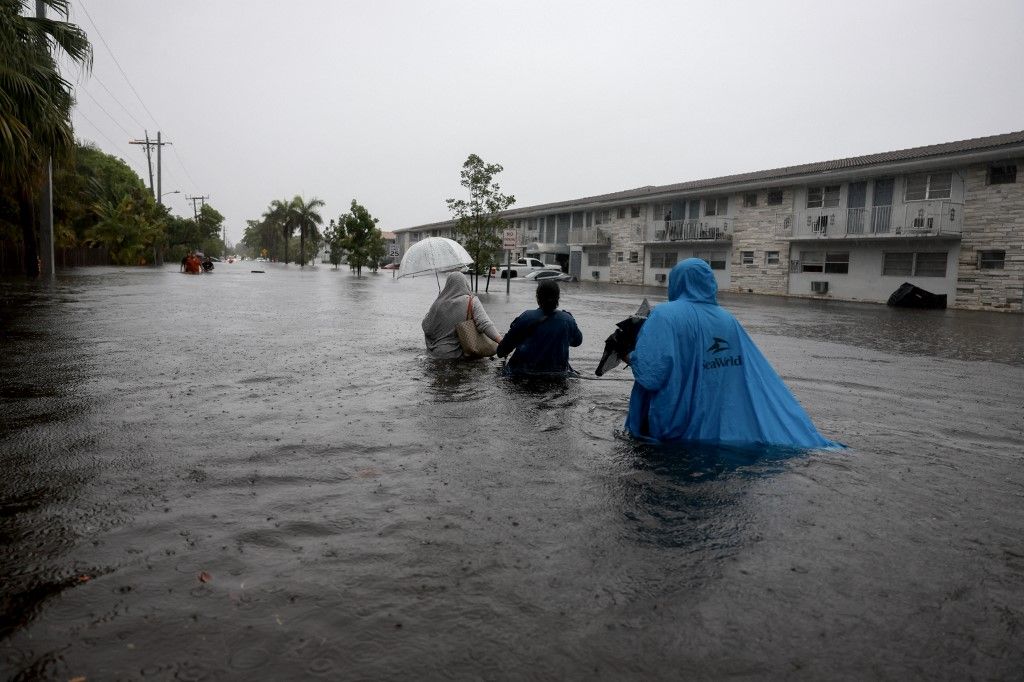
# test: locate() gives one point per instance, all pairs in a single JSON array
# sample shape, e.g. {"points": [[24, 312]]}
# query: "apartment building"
{"points": [[948, 218]]}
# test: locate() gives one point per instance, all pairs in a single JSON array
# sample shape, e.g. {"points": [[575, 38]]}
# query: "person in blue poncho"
{"points": [[700, 378], [541, 337]]}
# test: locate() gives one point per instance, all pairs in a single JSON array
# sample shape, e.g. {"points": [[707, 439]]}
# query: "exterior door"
{"points": [[881, 211], [576, 264], [857, 194]]}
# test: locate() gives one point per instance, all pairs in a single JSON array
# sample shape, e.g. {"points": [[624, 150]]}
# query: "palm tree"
{"points": [[35, 103], [279, 213], [305, 216]]}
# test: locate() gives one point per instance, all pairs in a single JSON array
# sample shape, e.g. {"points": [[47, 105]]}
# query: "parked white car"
{"points": [[522, 267], [541, 275]]}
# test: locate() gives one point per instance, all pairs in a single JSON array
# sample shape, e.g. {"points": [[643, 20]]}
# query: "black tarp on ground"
{"points": [[910, 296]]}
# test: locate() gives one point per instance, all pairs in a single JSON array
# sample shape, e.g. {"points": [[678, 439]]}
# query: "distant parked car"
{"points": [[541, 275], [521, 267], [390, 266]]}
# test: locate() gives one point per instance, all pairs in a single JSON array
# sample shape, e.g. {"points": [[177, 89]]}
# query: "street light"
{"points": [[163, 194]]}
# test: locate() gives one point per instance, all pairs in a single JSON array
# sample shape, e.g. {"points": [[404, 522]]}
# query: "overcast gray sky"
{"points": [[382, 101]]}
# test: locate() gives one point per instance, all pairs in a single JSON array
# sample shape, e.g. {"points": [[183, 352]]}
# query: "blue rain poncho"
{"points": [[700, 378]]}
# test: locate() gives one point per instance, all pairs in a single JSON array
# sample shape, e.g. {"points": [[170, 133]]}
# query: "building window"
{"points": [[717, 206], [634, 211], [991, 260], [664, 259], [835, 262], [1002, 174], [774, 197], [898, 264], [812, 261], [634, 256], [930, 264], [621, 212], [618, 256], [923, 264], [750, 199], [929, 186], [838, 263], [716, 259], [771, 257], [747, 257], [823, 197], [599, 258]]}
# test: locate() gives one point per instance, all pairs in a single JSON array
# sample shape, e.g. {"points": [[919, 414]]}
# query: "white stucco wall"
{"points": [[865, 281]]}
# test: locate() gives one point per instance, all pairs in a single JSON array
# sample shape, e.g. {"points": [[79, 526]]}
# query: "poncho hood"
{"points": [[692, 280]]}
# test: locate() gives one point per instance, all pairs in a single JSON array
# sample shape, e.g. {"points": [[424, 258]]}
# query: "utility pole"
{"points": [[45, 220], [195, 209], [154, 190]]}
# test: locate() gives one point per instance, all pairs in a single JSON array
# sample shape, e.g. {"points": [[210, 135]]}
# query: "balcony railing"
{"points": [[589, 236], [709, 228], [919, 218]]}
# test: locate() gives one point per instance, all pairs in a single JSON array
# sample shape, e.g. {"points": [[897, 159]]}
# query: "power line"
{"points": [[98, 130], [119, 103], [111, 53], [104, 110], [182, 164], [180, 161]]}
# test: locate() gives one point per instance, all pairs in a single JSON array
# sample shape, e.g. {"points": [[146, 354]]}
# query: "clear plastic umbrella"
{"points": [[434, 255]]}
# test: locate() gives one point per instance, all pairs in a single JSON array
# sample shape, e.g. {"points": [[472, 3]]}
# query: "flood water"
{"points": [[261, 476]]}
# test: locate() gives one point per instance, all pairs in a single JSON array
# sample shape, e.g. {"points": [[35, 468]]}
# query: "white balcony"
{"points": [[914, 219], [589, 236], [709, 228]]}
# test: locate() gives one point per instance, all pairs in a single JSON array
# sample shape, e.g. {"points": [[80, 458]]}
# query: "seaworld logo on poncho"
{"points": [[734, 361], [720, 346]]}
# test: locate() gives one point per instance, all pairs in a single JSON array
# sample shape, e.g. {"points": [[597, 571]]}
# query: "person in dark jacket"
{"points": [[541, 337]]}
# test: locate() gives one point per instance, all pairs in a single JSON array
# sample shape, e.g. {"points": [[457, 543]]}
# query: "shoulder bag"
{"points": [[474, 344]]}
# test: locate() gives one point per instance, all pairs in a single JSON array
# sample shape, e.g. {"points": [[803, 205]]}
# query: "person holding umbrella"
{"points": [[454, 304]]}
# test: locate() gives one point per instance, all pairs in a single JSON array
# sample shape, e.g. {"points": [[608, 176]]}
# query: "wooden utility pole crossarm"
{"points": [[159, 144], [195, 208]]}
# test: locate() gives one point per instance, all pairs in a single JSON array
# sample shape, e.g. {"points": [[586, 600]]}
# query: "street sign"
{"points": [[508, 239]]}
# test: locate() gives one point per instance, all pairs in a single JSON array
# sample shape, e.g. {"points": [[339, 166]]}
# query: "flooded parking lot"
{"points": [[262, 475]]}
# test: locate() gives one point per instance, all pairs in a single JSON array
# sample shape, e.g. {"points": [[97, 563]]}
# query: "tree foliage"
{"points": [[478, 219], [362, 241], [271, 235], [334, 236], [103, 202], [305, 215], [35, 104]]}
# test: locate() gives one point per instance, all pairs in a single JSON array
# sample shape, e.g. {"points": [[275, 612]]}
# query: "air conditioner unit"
{"points": [[596, 274], [659, 277], [819, 287]]}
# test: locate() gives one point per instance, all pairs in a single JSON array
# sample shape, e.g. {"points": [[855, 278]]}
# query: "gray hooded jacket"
{"points": [[447, 311]]}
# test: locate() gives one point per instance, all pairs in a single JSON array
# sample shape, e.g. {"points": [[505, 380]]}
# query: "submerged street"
{"points": [[213, 476]]}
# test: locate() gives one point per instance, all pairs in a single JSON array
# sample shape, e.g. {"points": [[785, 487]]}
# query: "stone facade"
{"points": [[759, 229], [627, 238], [993, 220]]}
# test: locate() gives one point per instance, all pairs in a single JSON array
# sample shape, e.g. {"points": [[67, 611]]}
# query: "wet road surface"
{"points": [[262, 476]]}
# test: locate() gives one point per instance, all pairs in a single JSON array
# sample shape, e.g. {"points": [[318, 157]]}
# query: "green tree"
{"points": [[477, 219], [279, 214], [361, 236], [377, 250], [209, 224], [306, 216], [334, 236], [35, 104]]}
